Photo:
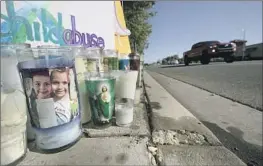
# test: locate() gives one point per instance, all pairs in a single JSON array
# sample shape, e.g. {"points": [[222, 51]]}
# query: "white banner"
{"points": [[87, 23]]}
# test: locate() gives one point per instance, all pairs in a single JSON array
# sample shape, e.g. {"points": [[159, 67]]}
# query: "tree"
{"points": [[137, 14]]}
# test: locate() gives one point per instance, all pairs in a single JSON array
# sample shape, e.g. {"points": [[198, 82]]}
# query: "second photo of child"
{"points": [[60, 85]]}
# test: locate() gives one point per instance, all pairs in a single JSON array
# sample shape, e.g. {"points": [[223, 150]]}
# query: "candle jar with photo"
{"points": [[50, 82]]}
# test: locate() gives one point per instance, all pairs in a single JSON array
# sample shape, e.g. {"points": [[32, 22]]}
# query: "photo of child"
{"points": [[42, 85], [51, 96], [37, 86], [60, 93]]}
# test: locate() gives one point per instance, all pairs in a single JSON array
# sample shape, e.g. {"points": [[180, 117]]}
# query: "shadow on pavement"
{"points": [[147, 86], [155, 105], [191, 65], [182, 123], [249, 153]]}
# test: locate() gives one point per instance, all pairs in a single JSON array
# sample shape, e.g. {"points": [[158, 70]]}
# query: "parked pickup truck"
{"points": [[206, 50]]}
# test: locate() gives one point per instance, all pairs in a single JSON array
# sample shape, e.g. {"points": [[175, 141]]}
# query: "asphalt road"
{"points": [[237, 126], [238, 81]]}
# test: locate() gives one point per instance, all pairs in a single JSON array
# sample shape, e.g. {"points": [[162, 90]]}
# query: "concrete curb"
{"points": [[173, 127], [111, 146], [169, 117]]}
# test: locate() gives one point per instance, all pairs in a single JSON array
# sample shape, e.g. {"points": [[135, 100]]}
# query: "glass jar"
{"points": [[10, 79], [134, 61], [13, 107], [75, 49], [87, 60], [101, 97], [110, 60], [52, 97], [124, 112], [135, 65], [124, 62]]}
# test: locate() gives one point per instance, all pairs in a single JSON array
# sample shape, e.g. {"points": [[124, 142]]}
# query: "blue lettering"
{"points": [[15, 23], [100, 42], [44, 21], [93, 40], [51, 30], [67, 36], [56, 31], [74, 37], [36, 30], [86, 40]]}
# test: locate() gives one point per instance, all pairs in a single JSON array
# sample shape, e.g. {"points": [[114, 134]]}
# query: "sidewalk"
{"points": [[181, 139], [163, 134], [111, 146]]}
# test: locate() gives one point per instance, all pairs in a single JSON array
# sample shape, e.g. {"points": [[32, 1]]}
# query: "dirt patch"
{"points": [[169, 137]]}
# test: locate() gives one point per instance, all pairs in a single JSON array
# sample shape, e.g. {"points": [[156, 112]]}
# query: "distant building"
{"points": [[250, 52], [240, 46], [254, 51]]}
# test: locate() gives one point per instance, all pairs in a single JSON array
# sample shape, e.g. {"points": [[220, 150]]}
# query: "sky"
{"points": [[180, 24]]}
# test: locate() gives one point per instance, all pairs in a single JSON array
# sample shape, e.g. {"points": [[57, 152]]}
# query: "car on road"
{"points": [[206, 50], [173, 62]]}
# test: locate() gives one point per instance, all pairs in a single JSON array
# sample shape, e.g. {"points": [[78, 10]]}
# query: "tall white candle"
{"points": [[13, 126]]}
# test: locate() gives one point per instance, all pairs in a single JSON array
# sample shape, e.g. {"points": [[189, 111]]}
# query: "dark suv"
{"points": [[206, 50]]}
